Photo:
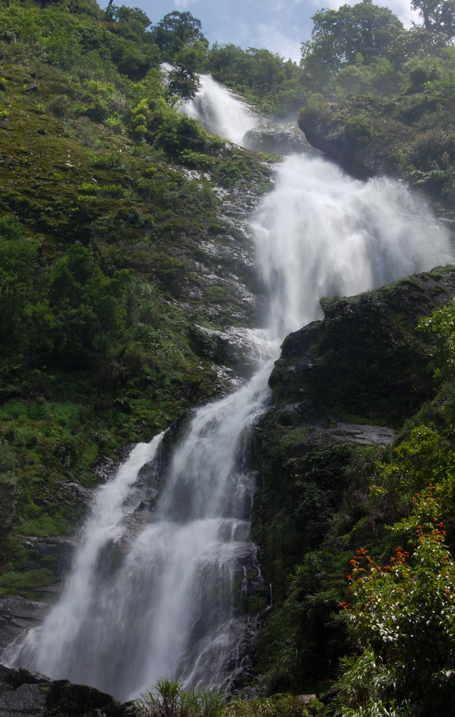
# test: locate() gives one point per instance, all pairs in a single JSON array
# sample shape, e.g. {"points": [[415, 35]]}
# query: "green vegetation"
{"points": [[379, 98], [269, 82], [100, 228], [169, 698], [364, 49], [357, 50], [356, 540]]}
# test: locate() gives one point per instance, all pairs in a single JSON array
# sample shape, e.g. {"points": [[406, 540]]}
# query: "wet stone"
{"points": [[18, 615], [26, 700], [29, 694]]}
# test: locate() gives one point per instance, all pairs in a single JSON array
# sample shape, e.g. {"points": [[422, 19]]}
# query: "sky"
{"points": [[278, 25]]}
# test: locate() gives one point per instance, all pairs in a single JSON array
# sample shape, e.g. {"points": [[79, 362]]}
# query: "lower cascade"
{"points": [[154, 590]]}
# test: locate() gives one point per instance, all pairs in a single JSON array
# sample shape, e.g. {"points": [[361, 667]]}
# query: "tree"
{"points": [[18, 259], [183, 79], [441, 324], [175, 31], [89, 307], [340, 36], [131, 22], [183, 84], [132, 47], [438, 15]]}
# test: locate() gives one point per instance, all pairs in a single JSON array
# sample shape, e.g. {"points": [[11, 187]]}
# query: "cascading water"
{"points": [[166, 604], [220, 111], [321, 233]]}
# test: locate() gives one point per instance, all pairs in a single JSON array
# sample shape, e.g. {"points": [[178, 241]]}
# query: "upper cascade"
{"points": [[228, 116], [221, 112]]}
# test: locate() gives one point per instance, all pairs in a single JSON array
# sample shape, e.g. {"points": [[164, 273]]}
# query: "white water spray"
{"points": [[221, 111], [322, 233], [167, 605]]}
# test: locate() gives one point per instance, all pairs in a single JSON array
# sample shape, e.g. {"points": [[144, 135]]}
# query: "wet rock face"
{"points": [[278, 139], [57, 552], [25, 700], [18, 615], [29, 694], [238, 349], [365, 358]]}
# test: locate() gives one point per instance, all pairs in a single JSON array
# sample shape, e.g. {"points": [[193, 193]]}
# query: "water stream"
{"points": [[168, 602], [220, 111]]}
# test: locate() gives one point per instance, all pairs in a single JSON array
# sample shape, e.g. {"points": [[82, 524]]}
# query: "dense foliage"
{"points": [[101, 229], [387, 108]]}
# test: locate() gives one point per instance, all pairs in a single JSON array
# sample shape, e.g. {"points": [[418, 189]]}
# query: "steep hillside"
{"points": [[120, 230]]}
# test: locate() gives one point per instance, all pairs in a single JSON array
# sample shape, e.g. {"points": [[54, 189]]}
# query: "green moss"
{"points": [[14, 583], [74, 171]]}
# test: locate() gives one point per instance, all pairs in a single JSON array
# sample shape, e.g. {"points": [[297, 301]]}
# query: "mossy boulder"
{"points": [[411, 136], [364, 359]]}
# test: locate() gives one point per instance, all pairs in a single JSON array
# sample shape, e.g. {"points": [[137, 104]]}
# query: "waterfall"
{"points": [[221, 111], [321, 233], [163, 599]]}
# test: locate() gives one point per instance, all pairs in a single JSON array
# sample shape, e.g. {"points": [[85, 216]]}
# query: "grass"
{"points": [[169, 698]]}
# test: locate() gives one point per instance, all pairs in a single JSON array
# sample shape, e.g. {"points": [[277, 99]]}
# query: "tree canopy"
{"points": [[438, 15], [339, 36], [175, 31]]}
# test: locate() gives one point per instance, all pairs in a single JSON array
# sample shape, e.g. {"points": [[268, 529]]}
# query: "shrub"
{"points": [[59, 105], [170, 699], [404, 615], [98, 111]]}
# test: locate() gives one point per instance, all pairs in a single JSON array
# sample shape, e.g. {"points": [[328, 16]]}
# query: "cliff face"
{"points": [[410, 136], [365, 359], [343, 389], [356, 136]]}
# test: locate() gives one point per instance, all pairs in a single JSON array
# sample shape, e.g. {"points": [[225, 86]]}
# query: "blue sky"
{"points": [[278, 25]]}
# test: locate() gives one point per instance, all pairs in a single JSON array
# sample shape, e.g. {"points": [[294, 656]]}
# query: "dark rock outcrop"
{"points": [[18, 615], [365, 358], [238, 349], [277, 139], [29, 694]]}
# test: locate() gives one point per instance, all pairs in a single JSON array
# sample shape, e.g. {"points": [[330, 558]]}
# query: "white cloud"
{"points": [[401, 8], [261, 34], [277, 41], [183, 4]]}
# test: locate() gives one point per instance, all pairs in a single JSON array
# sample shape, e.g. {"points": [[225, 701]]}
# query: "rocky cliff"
{"points": [[342, 391]]}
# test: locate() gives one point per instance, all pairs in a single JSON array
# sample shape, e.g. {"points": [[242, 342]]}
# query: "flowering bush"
{"points": [[404, 616]]}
